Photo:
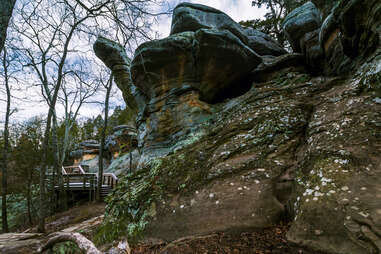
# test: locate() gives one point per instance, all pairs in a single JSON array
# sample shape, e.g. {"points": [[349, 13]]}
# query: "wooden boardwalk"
{"points": [[76, 179]]}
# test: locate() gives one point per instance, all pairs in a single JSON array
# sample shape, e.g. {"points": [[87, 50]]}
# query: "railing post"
{"points": [[90, 188]]}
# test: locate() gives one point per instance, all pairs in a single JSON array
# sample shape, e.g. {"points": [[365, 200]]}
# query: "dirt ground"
{"points": [[268, 241]]}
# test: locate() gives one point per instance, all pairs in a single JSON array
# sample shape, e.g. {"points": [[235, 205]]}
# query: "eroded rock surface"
{"points": [[181, 74], [115, 57], [263, 44], [192, 17], [291, 146], [300, 21]]}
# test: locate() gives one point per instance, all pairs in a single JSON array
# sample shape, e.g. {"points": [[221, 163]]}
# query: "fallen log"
{"points": [[83, 243]]}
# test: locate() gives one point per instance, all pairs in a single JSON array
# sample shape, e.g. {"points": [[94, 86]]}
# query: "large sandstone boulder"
{"points": [[325, 6], [359, 28], [272, 67], [338, 191], [192, 17], [263, 44], [194, 59], [291, 148], [180, 75], [336, 62], [114, 56], [349, 36], [300, 21]]}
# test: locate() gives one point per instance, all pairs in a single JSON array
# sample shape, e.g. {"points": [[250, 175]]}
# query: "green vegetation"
{"points": [[17, 210], [66, 248]]}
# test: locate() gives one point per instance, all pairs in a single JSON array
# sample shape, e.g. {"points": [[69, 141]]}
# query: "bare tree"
{"points": [[6, 145], [76, 90], [108, 87], [53, 33], [6, 8], [50, 28]]}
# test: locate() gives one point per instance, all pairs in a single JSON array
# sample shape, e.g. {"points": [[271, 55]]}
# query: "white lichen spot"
{"points": [[182, 206], [345, 188], [217, 202], [211, 195]]}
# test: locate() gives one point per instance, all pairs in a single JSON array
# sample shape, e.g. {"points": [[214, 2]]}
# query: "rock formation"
{"points": [[114, 56], [182, 74], [302, 27], [86, 155], [263, 44], [234, 139]]}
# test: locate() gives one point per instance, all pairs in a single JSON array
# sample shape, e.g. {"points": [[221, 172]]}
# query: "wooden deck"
{"points": [[76, 179]]}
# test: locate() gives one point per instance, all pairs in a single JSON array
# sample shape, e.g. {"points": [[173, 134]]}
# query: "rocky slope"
{"points": [[234, 140]]}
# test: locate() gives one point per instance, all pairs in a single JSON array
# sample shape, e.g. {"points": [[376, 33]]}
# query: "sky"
{"points": [[237, 9]]}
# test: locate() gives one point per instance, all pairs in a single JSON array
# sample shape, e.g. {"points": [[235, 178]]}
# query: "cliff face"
{"points": [[231, 139]]}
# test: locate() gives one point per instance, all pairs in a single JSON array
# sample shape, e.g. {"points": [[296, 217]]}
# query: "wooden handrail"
{"points": [[69, 169], [112, 179], [81, 169], [109, 179]]}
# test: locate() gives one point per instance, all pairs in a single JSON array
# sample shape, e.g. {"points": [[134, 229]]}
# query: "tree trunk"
{"points": [[6, 8], [83, 243], [103, 137], [29, 198], [6, 148], [45, 147], [56, 173]]}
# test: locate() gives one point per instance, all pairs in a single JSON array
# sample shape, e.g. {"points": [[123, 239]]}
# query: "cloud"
{"points": [[238, 10]]}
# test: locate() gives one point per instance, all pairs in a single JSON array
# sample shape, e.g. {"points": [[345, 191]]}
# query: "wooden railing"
{"points": [[73, 170], [75, 176], [110, 179]]}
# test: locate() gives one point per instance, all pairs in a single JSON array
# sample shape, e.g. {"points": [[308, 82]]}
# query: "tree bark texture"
{"points": [[83, 243], [6, 8], [6, 148], [103, 137]]}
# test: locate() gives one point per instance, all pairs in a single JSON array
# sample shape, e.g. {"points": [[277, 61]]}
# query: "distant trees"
{"points": [[26, 160], [6, 8], [277, 11], [55, 44], [8, 69], [52, 32]]}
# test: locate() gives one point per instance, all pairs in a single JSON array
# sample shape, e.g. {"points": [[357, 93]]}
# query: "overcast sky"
{"points": [[236, 9]]}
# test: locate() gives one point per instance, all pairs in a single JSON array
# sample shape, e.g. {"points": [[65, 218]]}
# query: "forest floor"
{"points": [[267, 241], [85, 218], [74, 216]]}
